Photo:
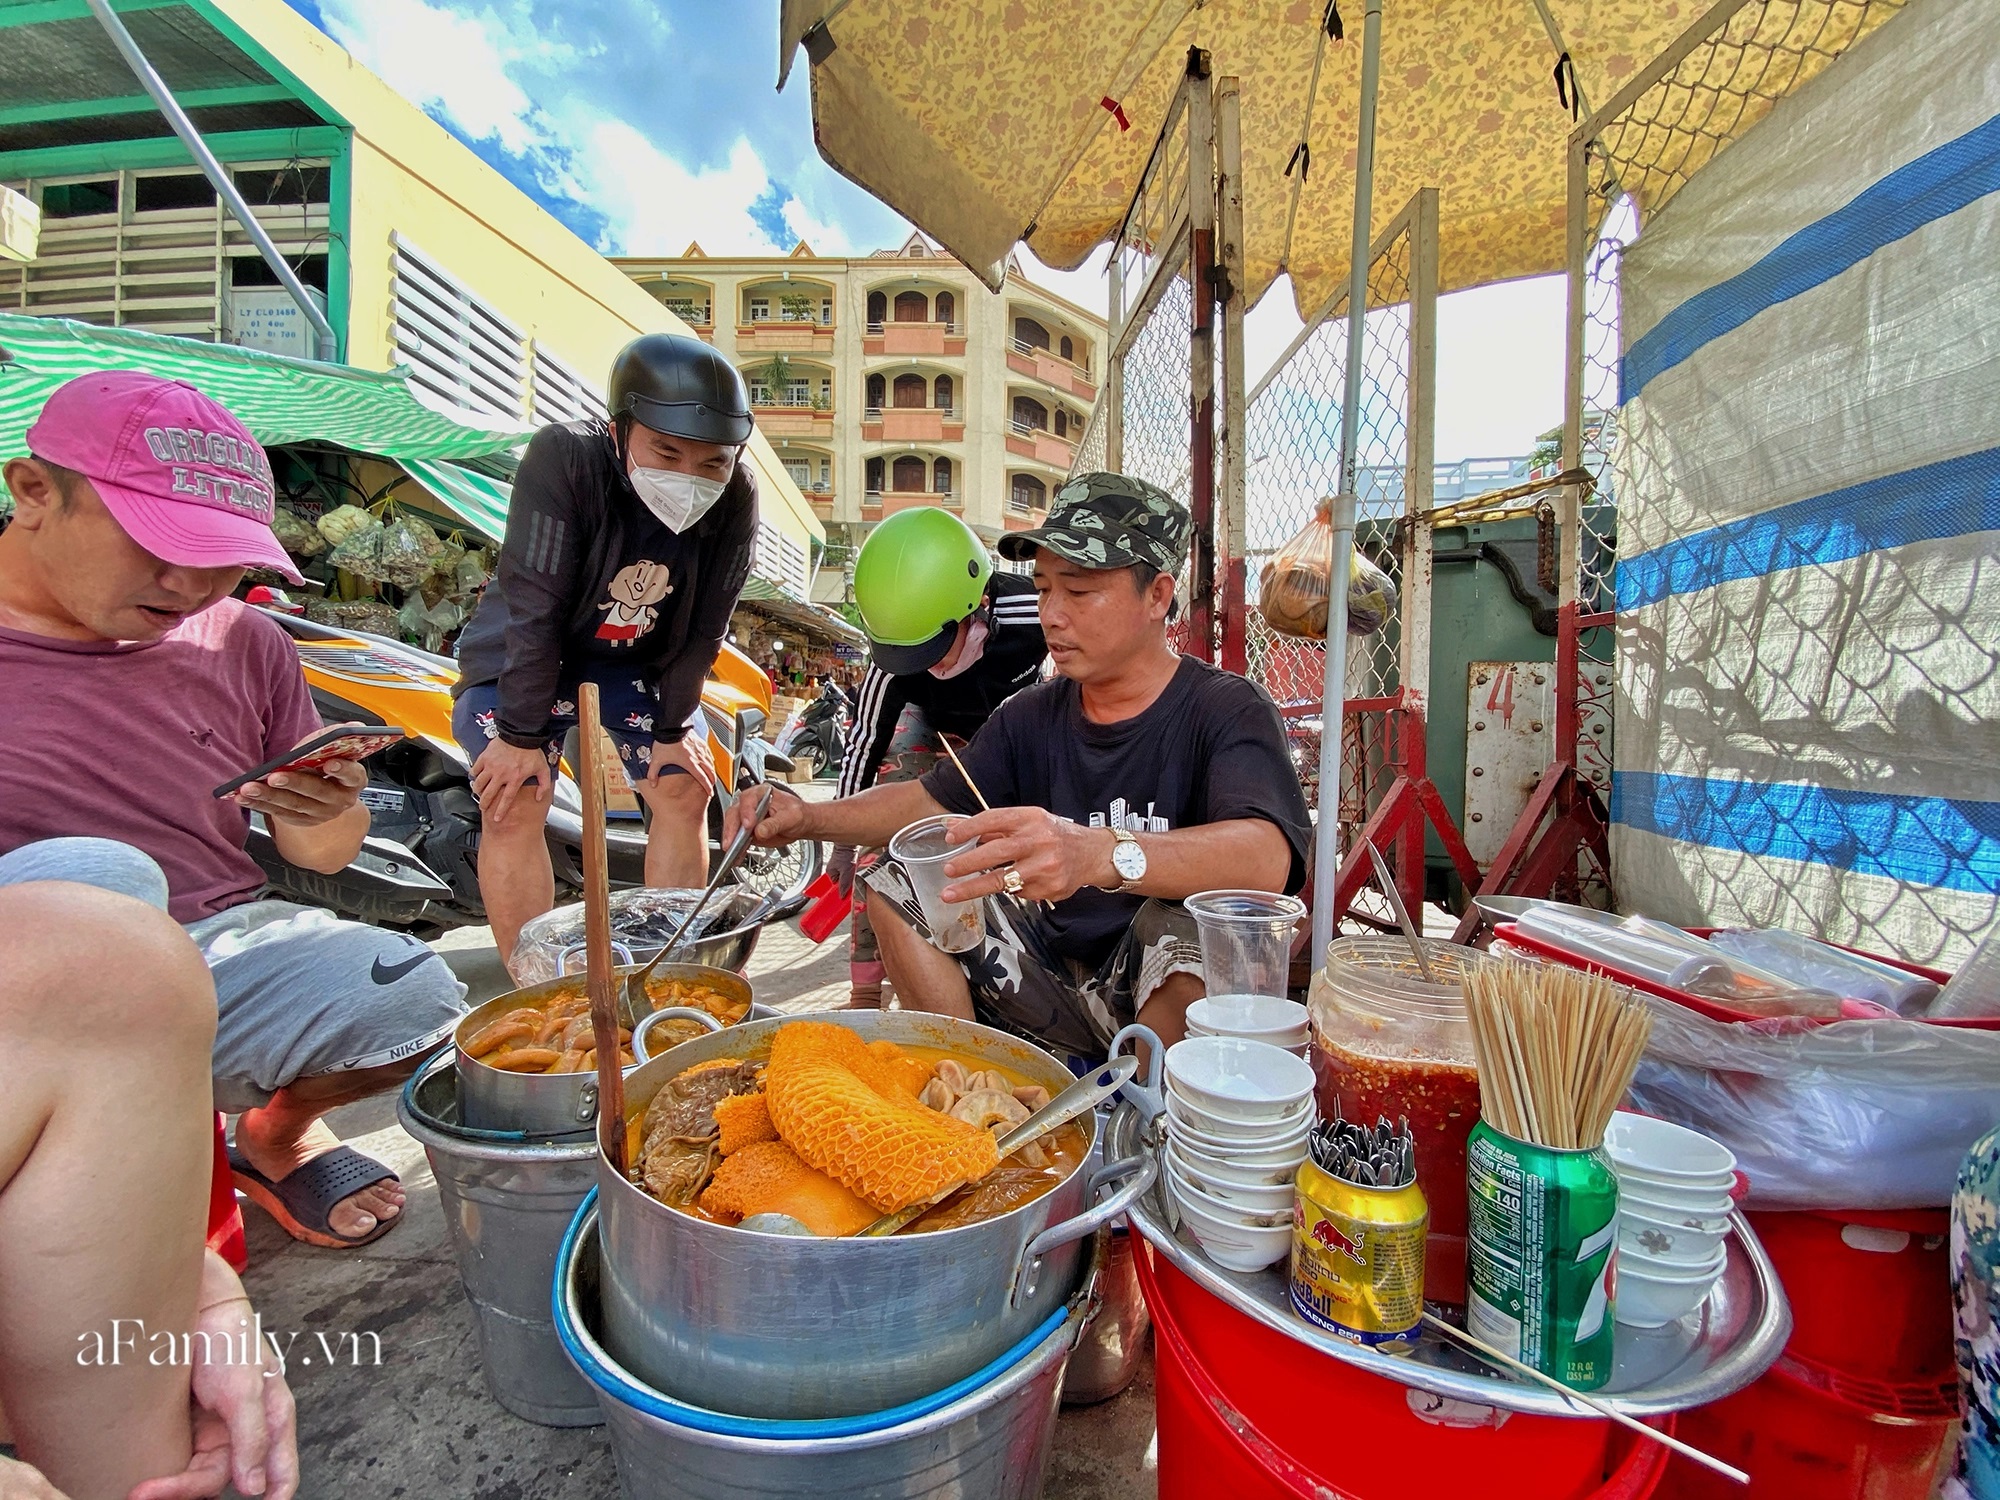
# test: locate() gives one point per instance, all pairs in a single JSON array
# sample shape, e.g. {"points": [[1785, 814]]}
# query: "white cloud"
{"points": [[654, 204], [1087, 286]]}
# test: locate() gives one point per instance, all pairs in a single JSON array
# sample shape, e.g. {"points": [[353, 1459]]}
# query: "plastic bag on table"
{"points": [[1293, 590], [641, 919], [1855, 1114], [353, 614]]}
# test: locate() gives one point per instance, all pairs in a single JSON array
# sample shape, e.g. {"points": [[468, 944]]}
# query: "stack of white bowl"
{"points": [[1238, 1114], [1254, 1018], [1674, 1191]]}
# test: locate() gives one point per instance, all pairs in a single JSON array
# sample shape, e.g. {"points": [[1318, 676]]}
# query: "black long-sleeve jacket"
{"points": [[590, 580]]}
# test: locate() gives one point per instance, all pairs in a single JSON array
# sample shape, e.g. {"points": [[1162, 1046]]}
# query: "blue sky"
{"points": [[644, 124]]}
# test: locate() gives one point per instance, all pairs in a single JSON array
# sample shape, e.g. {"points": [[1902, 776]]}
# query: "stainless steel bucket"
{"points": [[1113, 1342], [988, 1441], [507, 1204], [773, 1326], [555, 1104]]}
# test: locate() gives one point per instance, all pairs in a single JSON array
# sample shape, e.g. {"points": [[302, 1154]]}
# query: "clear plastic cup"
{"points": [[1246, 940], [921, 850]]}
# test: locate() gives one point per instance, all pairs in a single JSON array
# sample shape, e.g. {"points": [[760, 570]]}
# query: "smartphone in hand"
{"points": [[342, 742]]}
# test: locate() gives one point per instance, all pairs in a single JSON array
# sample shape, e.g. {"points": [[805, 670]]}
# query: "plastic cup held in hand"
{"points": [[1246, 940], [921, 850]]}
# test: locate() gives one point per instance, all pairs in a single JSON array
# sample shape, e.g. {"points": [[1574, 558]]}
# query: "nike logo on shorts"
{"points": [[383, 973]]}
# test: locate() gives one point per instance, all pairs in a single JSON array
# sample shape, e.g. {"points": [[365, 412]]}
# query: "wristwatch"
{"points": [[1128, 858]]}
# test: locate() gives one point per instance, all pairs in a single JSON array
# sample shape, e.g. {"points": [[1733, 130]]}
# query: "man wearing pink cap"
{"points": [[134, 685]]}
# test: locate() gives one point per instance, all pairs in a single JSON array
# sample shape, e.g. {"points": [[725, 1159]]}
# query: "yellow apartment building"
{"points": [[425, 256], [896, 379]]}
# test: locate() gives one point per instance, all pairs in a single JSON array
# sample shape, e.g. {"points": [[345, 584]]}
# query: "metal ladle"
{"points": [[1080, 1098], [636, 998]]}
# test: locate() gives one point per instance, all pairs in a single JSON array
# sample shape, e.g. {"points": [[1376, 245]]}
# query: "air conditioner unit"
{"points": [[20, 225]]}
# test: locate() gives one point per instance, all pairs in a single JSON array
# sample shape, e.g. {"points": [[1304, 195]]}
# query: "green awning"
{"points": [[280, 399], [478, 501]]}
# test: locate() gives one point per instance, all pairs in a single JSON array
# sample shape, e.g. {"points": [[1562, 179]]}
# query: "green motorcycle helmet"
{"points": [[919, 574]]}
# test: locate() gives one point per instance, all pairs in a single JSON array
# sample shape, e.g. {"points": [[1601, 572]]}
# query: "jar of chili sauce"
{"points": [[1386, 1042]]}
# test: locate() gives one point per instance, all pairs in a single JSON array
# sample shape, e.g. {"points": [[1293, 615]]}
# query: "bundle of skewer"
{"points": [[1557, 1050]]}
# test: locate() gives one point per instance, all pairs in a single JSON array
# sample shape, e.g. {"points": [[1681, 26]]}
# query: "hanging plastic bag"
{"points": [[1293, 593], [408, 553], [470, 576], [339, 524], [427, 625], [1855, 1114], [296, 534], [360, 552]]}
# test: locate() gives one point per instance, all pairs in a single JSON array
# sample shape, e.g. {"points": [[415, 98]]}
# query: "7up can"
{"points": [[1543, 1245]]}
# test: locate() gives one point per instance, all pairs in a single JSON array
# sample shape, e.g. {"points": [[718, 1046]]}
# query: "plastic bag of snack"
{"points": [[339, 524], [1294, 584], [296, 534]]}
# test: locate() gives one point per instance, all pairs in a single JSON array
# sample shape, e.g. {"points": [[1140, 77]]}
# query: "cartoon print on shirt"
{"points": [[634, 591]]}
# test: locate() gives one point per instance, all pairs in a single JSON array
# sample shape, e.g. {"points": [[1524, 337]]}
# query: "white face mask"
{"points": [[968, 658], [679, 500]]}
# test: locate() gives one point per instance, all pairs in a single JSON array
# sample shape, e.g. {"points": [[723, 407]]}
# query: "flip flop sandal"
{"points": [[302, 1199]]}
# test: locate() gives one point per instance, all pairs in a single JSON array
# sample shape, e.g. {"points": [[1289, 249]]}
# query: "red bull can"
{"points": [[1358, 1258]]}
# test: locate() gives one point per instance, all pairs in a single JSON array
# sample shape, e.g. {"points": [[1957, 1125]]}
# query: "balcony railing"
{"points": [[951, 327], [949, 413], [1022, 346], [689, 313], [792, 403], [876, 497], [1029, 429], [814, 320]]}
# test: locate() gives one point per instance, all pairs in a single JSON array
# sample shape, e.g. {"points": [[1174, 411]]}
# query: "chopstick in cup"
{"points": [[986, 806]]}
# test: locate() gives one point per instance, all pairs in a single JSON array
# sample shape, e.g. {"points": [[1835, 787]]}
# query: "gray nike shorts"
{"points": [[299, 993]]}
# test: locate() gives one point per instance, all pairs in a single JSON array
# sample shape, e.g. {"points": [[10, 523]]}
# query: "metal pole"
{"points": [[1200, 603], [326, 341], [1229, 233], [1333, 698], [1113, 394]]}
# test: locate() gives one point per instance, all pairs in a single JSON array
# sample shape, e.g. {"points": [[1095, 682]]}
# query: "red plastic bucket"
{"points": [[1806, 1432], [1870, 1292], [225, 1214], [1248, 1413]]}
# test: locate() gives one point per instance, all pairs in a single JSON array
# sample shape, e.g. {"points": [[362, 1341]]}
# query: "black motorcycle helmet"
{"points": [[680, 386]]}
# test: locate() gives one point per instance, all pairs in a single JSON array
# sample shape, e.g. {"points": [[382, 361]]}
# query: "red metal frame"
{"points": [[1565, 819], [1411, 804]]}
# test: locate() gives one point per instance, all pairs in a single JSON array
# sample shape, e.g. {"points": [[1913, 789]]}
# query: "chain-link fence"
{"points": [[1294, 462], [1794, 710]]}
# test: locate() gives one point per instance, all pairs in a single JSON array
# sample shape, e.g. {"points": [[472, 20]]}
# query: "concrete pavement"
{"points": [[421, 1423]]}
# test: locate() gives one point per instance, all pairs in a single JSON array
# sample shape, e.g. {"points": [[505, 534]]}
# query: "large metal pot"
{"points": [[986, 1438], [556, 1104], [766, 1325]]}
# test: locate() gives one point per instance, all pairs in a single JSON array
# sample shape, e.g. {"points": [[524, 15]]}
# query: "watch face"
{"points": [[1129, 860]]}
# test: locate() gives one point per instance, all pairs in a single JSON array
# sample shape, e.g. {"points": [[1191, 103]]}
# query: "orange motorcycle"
{"points": [[418, 868]]}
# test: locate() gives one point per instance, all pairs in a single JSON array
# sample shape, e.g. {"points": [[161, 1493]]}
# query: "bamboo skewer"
{"points": [[600, 979], [1602, 1408], [1557, 1050]]}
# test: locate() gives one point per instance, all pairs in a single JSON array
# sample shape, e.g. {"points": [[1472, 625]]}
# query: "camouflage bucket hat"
{"points": [[1109, 521]]}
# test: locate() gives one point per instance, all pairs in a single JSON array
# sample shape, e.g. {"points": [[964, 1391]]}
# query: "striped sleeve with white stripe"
{"points": [[857, 767]]}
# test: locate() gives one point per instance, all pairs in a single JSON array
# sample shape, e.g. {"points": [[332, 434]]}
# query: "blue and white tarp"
{"points": [[1808, 584]]}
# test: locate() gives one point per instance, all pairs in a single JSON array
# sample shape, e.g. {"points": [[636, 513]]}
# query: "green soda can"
{"points": [[1542, 1252]]}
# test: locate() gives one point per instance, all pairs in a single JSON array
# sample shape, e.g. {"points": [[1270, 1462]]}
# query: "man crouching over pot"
{"points": [[1135, 778]]}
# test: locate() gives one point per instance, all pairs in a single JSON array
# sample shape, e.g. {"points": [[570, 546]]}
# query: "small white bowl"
{"points": [[1261, 1017], [1642, 1262], [1667, 1242], [1187, 1112], [1234, 1079], [1232, 1245], [1205, 1162], [1649, 1299], [1260, 1198], [1652, 1150], [1674, 1204], [1285, 1155]]}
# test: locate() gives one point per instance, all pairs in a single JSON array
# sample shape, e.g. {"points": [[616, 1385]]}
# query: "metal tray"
{"points": [[1720, 1347]]}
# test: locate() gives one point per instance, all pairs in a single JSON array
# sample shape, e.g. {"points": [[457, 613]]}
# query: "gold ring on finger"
{"points": [[1010, 882]]}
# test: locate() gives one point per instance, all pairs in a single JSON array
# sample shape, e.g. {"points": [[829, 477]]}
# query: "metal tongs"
{"points": [[636, 998]]}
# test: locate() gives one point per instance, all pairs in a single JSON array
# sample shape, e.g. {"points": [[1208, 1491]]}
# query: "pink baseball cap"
{"points": [[178, 472]]}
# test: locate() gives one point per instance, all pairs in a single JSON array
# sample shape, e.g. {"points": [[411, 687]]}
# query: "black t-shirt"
{"points": [[1210, 749]]}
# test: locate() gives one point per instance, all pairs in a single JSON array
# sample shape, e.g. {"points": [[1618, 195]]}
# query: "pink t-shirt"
{"points": [[125, 741]]}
